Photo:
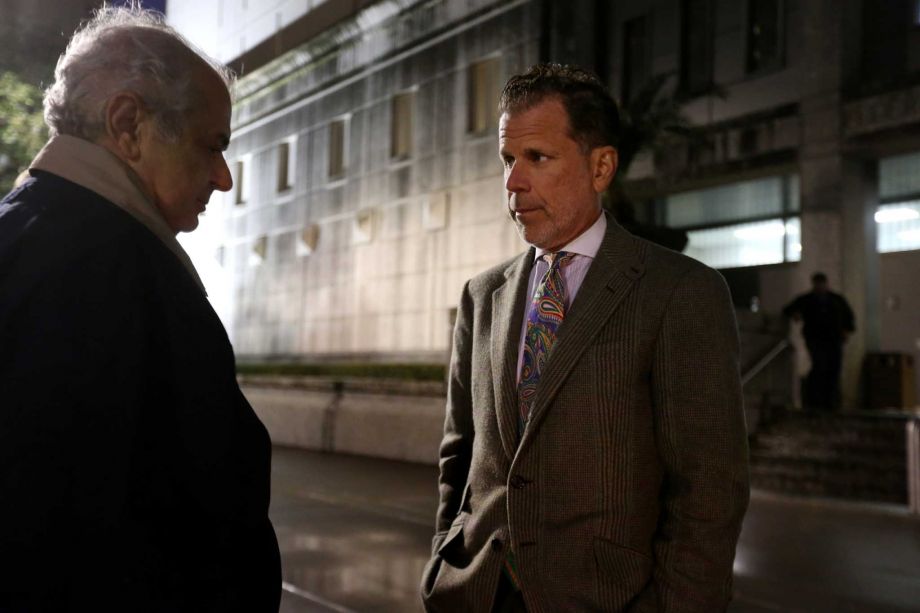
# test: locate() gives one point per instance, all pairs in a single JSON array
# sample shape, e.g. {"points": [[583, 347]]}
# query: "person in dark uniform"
{"points": [[827, 323]]}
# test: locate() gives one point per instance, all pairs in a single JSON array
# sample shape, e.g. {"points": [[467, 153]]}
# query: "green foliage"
{"points": [[22, 129], [406, 372], [653, 119]]}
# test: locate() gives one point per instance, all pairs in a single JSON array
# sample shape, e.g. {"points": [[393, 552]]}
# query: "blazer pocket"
{"points": [[456, 529], [622, 574]]}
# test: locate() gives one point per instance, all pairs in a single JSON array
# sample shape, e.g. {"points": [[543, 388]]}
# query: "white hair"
{"points": [[125, 49]]}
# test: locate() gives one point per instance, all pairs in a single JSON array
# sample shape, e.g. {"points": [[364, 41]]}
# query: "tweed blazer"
{"points": [[627, 489]]}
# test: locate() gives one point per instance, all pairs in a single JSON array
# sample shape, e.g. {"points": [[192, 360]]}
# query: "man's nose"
{"points": [[516, 180], [220, 176]]}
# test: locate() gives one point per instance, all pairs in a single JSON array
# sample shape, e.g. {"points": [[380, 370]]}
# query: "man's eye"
{"points": [[507, 162]]}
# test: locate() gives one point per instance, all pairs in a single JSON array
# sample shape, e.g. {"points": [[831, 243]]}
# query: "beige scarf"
{"points": [[98, 170]]}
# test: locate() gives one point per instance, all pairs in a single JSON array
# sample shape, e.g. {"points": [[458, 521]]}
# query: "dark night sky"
{"points": [[157, 5]]}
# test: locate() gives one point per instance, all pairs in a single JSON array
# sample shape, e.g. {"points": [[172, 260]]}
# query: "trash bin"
{"points": [[890, 381]]}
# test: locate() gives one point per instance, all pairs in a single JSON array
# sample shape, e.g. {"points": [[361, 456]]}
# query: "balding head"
{"points": [[126, 49]]}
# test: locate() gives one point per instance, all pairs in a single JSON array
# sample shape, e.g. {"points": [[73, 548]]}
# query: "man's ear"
{"points": [[604, 162], [124, 116]]}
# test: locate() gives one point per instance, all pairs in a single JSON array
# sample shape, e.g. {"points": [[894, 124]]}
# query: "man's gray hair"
{"points": [[125, 49]]}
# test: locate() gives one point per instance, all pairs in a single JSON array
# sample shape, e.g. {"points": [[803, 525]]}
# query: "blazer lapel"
{"points": [[613, 274], [507, 319]]}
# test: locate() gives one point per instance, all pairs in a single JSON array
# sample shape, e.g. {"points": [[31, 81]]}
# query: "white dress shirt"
{"points": [[585, 247]]}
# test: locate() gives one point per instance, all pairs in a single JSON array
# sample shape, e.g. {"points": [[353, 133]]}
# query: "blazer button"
{"points": [[496, 544]]}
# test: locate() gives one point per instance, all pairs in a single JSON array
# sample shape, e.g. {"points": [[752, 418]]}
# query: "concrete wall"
{"points": [[396, 238], [396, 427]]}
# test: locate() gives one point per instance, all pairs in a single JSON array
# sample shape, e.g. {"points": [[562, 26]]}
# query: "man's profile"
{"points": [[134, 475], [595, 453]]}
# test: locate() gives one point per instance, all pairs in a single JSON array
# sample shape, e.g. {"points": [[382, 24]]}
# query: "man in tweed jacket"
{"points": [[624, 487]]}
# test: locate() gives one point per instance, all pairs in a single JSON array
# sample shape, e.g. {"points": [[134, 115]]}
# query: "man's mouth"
{"points": [[521, 210]]}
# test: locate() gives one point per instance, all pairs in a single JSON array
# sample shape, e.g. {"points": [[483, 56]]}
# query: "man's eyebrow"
{"points": [[536, 151]]}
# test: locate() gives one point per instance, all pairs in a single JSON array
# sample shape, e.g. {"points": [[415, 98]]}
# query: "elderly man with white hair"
{"points": [[134, 475]]}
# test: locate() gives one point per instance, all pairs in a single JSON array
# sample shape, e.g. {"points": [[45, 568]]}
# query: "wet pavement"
{"points": [[355, 534]]}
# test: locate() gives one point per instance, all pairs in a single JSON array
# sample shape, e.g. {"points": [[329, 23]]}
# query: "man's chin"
{"points": [[530, 235], [186, 225]]}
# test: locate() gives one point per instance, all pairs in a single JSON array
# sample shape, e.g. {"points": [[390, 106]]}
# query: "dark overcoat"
{"points": [[134, 475]]}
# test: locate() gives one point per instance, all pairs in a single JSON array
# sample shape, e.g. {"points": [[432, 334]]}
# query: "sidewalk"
{"points": [[356, 532], [810, 556]]}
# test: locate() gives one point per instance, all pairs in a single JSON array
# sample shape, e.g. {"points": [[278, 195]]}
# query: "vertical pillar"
{"points": [[838, 193], [860, 268]]}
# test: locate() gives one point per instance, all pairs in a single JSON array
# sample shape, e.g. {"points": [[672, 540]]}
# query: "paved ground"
{"points": [[356, 532]]}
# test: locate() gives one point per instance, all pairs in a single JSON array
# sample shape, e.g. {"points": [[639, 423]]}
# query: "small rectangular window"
{"points": [[337, 149], [483, 90], [241, 182], [401, 125], [898, 226], [285, 169], [765, 35], [732, 202], [696, 43], [772, 241], [258, 250], [635, 56]]}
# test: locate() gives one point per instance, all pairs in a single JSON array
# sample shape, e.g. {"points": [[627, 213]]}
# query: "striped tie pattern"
{"points": [[547, 310]]}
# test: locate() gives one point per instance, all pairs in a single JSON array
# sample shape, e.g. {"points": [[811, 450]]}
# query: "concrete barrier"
{"points": [[336, 417]]}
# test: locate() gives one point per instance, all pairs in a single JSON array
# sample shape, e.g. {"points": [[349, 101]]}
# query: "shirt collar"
{"points": [[587, 243], [97, 169]]}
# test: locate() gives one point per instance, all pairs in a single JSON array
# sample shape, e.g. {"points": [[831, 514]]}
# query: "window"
{"points": [[362, 229], [337, 139], [696, 40], [286, 154], [401, 125], [750, 223], [635, 57], [258, 250], [765, 35], [747, 244], [898, 217], [307, 240], [482, 96], [435, 211], [898, 226], [241, 180], [746, 200]]}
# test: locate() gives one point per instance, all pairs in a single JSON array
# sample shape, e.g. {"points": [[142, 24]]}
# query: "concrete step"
{"points": [[850, 456]]}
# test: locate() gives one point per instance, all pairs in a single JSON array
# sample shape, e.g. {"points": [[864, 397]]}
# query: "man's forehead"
{"points": [[212, 110], [539, 121]]}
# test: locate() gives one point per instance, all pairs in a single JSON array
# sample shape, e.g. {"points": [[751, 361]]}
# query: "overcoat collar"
{"points": [[98, 170], [616, 269]]}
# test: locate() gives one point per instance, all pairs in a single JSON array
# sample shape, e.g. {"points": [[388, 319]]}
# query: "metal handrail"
{"points": [[911, 430], [765, 361]]}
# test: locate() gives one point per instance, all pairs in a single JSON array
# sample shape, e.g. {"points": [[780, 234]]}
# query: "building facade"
{"points": [[368, 186]]}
